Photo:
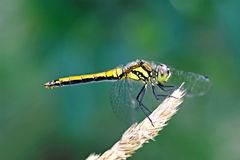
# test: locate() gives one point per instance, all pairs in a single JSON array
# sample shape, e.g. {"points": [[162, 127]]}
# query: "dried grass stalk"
{"points": [[140, 133]]}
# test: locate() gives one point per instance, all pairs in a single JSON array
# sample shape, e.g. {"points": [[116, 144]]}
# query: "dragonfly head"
{"points": [[163, 73]]}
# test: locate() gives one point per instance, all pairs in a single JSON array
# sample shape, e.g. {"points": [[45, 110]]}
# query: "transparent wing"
{"points": [[195, 84], [123, 100]]}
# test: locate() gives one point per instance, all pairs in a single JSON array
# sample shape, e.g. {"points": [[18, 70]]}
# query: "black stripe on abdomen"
{"points": [[87, 80]]}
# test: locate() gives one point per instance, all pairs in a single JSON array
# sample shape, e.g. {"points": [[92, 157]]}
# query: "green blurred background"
{"points": [[41, 40]]}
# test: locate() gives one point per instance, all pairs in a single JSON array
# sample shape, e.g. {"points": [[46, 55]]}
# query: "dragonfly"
{"points": [[147, 75]]}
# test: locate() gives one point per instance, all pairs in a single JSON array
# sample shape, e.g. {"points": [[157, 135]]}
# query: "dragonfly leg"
{"points": [[156, 95], [166, 88], [140, 98], [141, 105]]}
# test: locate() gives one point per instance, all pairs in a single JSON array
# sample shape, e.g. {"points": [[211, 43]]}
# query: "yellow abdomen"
{"points": [[113, 74]]}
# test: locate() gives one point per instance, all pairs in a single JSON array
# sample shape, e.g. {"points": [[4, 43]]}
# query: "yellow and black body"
{"points": [[113, 74], [139, 70], [147, 73]]}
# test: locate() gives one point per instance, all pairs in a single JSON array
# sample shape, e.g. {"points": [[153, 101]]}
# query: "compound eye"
{"points": [[168, 71], [161, 71]]}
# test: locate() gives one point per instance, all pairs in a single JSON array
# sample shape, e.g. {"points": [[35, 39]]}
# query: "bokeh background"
{"points": [[41, 40]]}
